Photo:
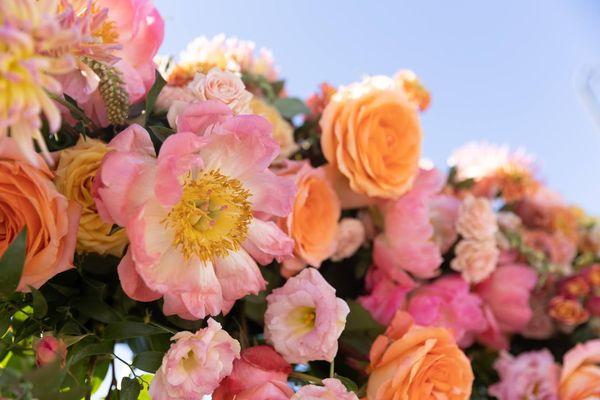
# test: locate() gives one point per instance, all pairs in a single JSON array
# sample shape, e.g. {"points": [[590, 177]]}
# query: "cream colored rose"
{"points": [[475, 259], [283, 133], [75, 173]]}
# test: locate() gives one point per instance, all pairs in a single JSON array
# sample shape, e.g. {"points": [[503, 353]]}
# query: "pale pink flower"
{"points": [[386, 295], [50, 349], [475, 259], [259, 373], [580, 375], [476, 219], [448, 302], [304, 319], [190, 212], [407, 242], [224, 86], [195, 364], [351, 235], [506, 292], [443, 213], [332, 389], [532, 375]]}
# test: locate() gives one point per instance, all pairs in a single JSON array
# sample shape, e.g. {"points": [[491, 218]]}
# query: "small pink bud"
{"points": [[48, 349]]}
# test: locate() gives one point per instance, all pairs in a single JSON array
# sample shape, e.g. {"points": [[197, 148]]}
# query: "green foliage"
{"points": [[289, 107], [159, 84], [148, 361], [11, 265], [130, 389]]}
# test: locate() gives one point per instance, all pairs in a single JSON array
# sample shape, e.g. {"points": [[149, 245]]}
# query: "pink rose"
{"points": [[50, 349], [195, 364], [506, 292], [386, 294], [191, 212], [531, 375], [332, 389], [304, 319], [259, 373], [476, 219], [448, 303], [407, 242], [475, 259], [350, 236]]}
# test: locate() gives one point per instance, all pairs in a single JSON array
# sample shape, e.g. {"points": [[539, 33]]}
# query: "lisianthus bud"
{"points": [[49, 349]]}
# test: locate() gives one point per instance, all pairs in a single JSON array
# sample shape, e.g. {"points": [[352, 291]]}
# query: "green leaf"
{"points": [[349, 383], [11, 264], [96, 309], [161, 133], [93, 349], [159, 84], [40, 307], [130, 389], [147, 380], [360, 319], [4, 321], [289, 107], [129, 329], [148, 361]]}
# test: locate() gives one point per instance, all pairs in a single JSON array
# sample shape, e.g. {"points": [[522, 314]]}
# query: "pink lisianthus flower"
{"points": [[190, 213], [448, 303], [386, 295], [130, 32], [531, 375], [407, 242], [506, 295], [49, 349], [259, 373], [332, 389], [304, 319], [195, 364]]}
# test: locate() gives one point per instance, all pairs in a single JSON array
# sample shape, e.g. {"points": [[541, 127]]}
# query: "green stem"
{"points": [[75, 111], [164, 328], [307, 378], [332, 368]]}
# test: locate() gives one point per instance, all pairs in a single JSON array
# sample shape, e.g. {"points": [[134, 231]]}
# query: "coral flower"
{"points": [[580, 376], [412, 362], [33, 50], [190, 212]]}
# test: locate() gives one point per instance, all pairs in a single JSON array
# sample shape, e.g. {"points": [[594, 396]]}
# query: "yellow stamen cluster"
{"points": [[212, 217]]}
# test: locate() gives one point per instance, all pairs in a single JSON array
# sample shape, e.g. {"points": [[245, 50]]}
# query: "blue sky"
{"points": [[507, 71]]}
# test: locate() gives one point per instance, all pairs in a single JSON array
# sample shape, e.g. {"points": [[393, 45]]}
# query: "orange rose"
{"points": [[580, 376], [412, 362], [372, 135], [313, 222], [29, 199]]}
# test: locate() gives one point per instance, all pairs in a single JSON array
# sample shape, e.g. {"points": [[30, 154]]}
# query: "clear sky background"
{"points": [[506, 71]]}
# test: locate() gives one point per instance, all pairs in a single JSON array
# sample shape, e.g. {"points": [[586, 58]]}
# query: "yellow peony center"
{"points": [[212, 217]]}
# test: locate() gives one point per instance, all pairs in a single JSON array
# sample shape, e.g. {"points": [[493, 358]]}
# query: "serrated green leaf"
{"points": [[289, 107], [130, 389], [40, 307], [148, 361], [12, 263], [129, 329], [159, 84]]}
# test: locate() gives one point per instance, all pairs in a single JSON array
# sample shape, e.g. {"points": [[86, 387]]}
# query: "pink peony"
{"points": [[195, 364], [448, 303], [406, 243], [133, 31], [50, 349], [351, 235], [259, 374], [506, 292], [475, 259], [189, 213], [387, 295], [531, 375], [332, 389], [476, 219], [304, 319]]}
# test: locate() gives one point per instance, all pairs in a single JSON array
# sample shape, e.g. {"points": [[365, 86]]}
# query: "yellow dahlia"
{"points": [[33, 50]]}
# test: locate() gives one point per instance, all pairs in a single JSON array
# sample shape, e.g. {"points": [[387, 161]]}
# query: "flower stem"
{"points": [[307, 378]]}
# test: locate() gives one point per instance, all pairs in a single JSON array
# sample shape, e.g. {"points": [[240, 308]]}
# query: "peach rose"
{"points": [[411, 362], [580, 377], [29, 199], [313, 223], [283, 132], [372, 135]]}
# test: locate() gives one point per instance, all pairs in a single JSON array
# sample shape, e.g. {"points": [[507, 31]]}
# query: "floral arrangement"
{"points": [[249, 245]]}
